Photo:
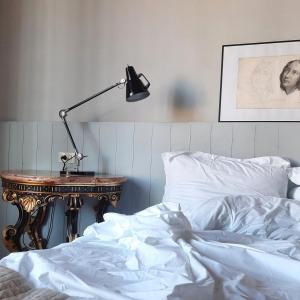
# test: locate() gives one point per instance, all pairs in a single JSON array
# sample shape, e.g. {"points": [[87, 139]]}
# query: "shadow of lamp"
{"points": [[135, 90]]}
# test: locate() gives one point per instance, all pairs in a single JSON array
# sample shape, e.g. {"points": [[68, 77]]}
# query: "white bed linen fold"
{"points": [[156, 254]]}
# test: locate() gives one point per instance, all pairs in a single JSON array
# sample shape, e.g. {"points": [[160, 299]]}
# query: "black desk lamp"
{"points": [[135, 90]]}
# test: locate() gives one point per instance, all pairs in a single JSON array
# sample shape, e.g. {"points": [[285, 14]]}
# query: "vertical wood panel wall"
{"points": [[132, 150]]}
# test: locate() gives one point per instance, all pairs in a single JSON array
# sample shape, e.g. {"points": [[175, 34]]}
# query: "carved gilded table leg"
{"points": [[12, 233], [104, 200], [74, 204], [35, 228], [32, 212]]}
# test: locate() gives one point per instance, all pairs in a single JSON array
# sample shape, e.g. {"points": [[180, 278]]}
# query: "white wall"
{"points": [[56, 52]]}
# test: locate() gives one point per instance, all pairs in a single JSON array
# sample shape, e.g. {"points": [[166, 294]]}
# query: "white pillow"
{"points": [[294, 193], [294, 175], [201, 176]]}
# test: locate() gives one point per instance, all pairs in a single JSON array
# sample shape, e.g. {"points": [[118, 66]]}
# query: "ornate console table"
{"points": [[33, 193]]}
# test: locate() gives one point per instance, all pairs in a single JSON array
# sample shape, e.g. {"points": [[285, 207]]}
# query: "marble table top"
{"points": [[54, 178]]}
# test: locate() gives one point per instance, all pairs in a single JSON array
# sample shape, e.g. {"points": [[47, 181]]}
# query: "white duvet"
{"points": [[226, 248]]}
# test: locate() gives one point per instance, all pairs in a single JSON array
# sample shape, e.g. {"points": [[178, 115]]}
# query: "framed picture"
{"points": [[260, 82]]}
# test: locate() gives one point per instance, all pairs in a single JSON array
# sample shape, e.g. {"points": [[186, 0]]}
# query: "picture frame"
{"points": [[260, 82]]}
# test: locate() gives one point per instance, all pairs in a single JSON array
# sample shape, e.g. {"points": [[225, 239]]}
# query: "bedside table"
{"points": [[33, 193]]}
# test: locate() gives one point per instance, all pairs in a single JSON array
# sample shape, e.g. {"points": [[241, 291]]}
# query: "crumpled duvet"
{"points": [[159, 253]]}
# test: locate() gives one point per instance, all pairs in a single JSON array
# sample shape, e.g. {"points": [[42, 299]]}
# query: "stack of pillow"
{"points": [[200, 176]]}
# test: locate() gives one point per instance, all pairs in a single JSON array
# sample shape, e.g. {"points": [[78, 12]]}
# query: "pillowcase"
{"points": [[294, 193], [294, 175], [201, 176]]}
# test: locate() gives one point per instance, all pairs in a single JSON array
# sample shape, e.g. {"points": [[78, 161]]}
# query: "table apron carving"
{"points": [[34, 201]]}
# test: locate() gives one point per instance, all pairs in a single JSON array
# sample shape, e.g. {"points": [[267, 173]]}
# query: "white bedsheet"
{"points": [[254, 253]]}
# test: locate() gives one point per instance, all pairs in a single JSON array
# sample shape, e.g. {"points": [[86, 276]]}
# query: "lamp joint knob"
{"points": [[62, 113]]}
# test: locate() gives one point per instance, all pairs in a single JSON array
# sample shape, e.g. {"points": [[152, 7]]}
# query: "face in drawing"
{"points": [[290, 77]]}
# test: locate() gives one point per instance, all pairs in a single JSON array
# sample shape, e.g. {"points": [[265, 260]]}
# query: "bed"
{"points": [[225, 229]]}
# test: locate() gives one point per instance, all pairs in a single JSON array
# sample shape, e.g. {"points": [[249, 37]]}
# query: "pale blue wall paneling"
{"points": [[4, 154], [180, 137], [139, 179], [108, 148], [59, 144], [44, 146], [132, 150], [201, 137], [16, 135], [289, 147], [29, 154], [243, 140], [77, 134], [91, 145], [4, 145], [124, 161], [221, 139], [161, 142], [266, 139]]}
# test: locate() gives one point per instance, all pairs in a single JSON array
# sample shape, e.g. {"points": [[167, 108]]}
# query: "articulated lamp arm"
{"points": [[136, 90], [63, 113]]}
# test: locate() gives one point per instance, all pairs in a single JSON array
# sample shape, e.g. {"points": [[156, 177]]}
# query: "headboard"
{"points": [[133, 150]]}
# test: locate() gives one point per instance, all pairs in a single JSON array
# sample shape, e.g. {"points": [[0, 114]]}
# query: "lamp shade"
{"points": [[135, 89]]}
